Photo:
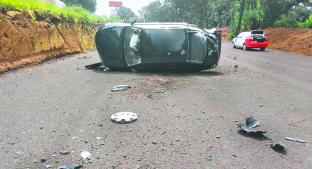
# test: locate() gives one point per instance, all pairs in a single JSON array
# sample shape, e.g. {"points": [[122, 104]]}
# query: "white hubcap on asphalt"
{"points": [[124, 117]]}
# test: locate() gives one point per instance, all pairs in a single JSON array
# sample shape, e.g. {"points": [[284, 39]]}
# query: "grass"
{"points": [[75, 12]]}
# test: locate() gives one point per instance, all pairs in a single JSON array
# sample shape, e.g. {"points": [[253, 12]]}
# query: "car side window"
{"points": [[198, 47]]}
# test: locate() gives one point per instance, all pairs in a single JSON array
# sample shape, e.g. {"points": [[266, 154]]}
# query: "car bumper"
{"points": [[257, 44]]}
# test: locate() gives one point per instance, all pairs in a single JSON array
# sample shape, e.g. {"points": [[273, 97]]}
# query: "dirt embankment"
{"points": [[28, 37], [291, 40]]}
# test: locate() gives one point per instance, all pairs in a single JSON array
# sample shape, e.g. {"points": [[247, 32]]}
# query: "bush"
{"points": [[307, 23], [74, 12], [285, 21]]}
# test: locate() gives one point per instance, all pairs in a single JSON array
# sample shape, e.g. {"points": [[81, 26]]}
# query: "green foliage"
{"points": [[285, 21], [239, 15], [113, 19], [125, 13], [307, 23], [89, 5], [74, 12]]}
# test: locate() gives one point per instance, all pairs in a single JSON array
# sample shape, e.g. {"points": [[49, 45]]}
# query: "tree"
{"points": [[125, 13], [242, 5], [240, 15], [89, 5], [273, 9]]}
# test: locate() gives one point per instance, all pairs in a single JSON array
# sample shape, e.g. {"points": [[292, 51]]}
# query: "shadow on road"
{"points": [[99, 68], [256, 136]]}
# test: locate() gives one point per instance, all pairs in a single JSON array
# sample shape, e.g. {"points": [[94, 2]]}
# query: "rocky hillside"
{"points": [[30, 37]]}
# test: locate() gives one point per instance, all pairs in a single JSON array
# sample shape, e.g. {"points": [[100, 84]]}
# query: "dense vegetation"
{"points": [[239, 15], [77, 13], [125, 13], [89, 5]]}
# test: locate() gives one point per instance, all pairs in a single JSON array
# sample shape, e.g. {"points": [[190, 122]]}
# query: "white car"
{"points": [[248, 40]]}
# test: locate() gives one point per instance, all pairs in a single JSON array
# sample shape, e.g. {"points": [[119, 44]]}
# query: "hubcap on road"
{"points": [[124, 117]]}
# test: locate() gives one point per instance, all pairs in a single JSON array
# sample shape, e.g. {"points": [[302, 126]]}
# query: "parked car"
{"points": [[248, 40], [150, 46]]}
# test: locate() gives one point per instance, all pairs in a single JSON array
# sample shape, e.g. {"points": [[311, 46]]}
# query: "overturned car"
{"points": [[158, 46]]}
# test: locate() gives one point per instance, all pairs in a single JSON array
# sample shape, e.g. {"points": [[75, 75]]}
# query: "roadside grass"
{"points": [[73, 12]]}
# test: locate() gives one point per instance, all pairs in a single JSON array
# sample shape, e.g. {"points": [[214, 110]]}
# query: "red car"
{"points": [[248, 40]]}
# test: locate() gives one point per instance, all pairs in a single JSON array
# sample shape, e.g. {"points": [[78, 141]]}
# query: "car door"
{"points": [[238, 40]]}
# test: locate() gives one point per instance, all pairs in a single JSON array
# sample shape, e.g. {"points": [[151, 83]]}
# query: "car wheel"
{"points": [[262, 49], [244, 47], [233, 44]]}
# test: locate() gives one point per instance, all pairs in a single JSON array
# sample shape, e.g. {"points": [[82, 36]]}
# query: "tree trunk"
{"points": [[241, 13]]}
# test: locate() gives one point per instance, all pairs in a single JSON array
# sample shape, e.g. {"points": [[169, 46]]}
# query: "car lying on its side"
{"points": [[253, 39], [158, 46]]}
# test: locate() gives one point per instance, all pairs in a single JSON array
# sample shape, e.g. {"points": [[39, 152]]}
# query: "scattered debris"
{"points": [[251, 123], [235, 68], [124, 117], [97, 146], [97, 67], [85, 155], [43, 160], [18, 152], [145, 136], [120, 88], [71, 166], [218, 136], [210, 158], [64, 152], [98, 138], [278, 148], [154, 142], [295, 140], [84, 57], [49, 166]]}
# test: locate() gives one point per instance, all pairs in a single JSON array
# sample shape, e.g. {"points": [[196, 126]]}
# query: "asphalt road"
{"points": [[186, 120]]}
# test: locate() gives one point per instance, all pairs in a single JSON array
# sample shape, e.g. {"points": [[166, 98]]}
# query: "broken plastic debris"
{"points": [[71, 166], [85, 155], [294, 139], [251, 123], [63, 152], [124, 117], [278, 148], [49, 166], [120, 88]]}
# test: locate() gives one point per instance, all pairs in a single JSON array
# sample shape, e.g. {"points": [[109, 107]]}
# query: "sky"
{"points": [[103, 9]]}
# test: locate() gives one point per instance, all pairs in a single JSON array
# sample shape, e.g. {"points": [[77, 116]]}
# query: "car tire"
{"points": [[233, 44], [244, 47], [262, 49]]}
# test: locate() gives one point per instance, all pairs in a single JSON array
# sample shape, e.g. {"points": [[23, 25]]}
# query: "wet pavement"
{"points": [[51, 113]]}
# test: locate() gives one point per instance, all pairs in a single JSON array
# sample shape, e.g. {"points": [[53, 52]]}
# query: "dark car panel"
{"points": [[158, 46]]}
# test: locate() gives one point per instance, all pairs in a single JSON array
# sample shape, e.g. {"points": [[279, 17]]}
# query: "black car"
{"points": [[158, 46]]}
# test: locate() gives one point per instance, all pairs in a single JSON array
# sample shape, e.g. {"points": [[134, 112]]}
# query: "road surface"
{"points": [[186, 120]]}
